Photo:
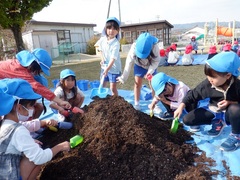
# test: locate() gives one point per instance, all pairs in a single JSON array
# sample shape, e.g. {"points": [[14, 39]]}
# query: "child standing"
{"points": [[187, 58], [223, 88], [194, 44], [144, 53], [109, 47], [68, 91], [20, 154]]}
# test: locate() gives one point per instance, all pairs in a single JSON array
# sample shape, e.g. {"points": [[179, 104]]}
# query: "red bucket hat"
{"points": [[188, 49], [162, 52], [173, 47], [212, 50]]}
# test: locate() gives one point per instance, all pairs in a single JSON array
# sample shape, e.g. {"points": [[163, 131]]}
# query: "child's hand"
{"points": [[222, 104], [65, 146], [151, 106], [38, 142], [51, 122], [120, 80]]}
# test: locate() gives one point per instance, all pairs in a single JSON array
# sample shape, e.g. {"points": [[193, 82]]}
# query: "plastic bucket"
{"points": [[83, 84], [55, 82], [94, 84]]}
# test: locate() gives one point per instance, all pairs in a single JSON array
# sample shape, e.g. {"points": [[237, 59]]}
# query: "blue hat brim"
{"points": [[25, 58]]}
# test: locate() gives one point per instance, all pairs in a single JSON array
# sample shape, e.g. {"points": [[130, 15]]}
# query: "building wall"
{"points": [[159, 29], [45, 35]]}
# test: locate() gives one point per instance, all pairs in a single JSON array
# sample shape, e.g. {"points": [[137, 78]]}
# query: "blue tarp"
{"points": [[208, 144]]}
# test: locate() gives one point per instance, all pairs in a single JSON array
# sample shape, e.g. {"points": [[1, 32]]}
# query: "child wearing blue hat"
{"points": [[109, 48], [222, 87], [67, 90], [144, 53], [170, 92], [20, 154], [29, 66]]}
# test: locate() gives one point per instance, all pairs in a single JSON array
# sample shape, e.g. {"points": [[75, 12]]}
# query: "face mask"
{"points": [[25, 118]]}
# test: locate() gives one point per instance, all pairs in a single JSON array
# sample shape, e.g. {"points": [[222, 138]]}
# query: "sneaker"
{"points": [[137, 107], [157, 110], [231, 143], [194, 128], [166, 116], [61, 117], [217, 128]]}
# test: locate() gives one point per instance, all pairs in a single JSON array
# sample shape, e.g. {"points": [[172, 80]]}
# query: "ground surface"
{"points": [[122, 143]]}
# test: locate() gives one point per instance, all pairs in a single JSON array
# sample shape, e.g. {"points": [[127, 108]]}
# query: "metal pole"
{"points": [[109, 6]]}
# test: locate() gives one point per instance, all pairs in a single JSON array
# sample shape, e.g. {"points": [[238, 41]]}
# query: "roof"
{"points": [[34, 22], [148, 23]]}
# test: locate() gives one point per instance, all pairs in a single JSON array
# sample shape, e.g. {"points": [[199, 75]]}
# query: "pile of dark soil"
{"points": [[122, 143]]}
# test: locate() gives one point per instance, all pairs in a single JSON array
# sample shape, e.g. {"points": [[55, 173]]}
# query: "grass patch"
{"points": [[190, 75]]}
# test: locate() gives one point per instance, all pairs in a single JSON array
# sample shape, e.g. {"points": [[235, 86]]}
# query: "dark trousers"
{"points": [[202, 116]]}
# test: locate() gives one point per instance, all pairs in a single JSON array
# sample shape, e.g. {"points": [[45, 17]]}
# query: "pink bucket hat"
{"points": [[188, 49], [227, 47], [212, 50]]}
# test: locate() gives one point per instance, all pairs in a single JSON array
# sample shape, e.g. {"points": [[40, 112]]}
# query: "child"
{"points": [[20, 154], [235, 47], [67, 90], [109, 47], [170, 92], [212, 52], [27, 66], [187, 58], [194, 44], [163, 58], [144, 53], [173, 56], [223, 88]]}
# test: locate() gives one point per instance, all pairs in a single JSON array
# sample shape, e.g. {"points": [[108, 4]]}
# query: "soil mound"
{"points": [[122, 143]]}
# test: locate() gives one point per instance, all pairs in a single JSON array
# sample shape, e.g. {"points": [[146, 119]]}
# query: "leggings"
{"points": [[201, 116]]}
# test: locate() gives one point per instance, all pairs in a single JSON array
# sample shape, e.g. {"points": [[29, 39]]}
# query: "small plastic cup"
{"points": [[65, 125], [75, 141]]}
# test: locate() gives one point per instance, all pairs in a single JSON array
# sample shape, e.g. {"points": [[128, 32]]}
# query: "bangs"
{"points": [[111, 24], [208, 71]]}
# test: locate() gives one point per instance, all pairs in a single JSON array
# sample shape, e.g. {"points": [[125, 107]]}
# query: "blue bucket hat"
{"points": [[144, 45], [226, 62], [66, 72], [159, 81], [113, 19], [39, 55], [13, 89]]}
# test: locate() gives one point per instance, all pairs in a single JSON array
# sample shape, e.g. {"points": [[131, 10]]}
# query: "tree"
{"points": [[14, 13]]}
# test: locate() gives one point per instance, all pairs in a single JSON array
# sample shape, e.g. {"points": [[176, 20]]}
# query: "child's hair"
{"points": [[34, 67], [24, 102], [149, 58], [110, 24], [74, 89], [208, 71]]}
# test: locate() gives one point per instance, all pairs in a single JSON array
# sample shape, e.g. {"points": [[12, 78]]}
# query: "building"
{"points": [[160, 29], [57, 37]]}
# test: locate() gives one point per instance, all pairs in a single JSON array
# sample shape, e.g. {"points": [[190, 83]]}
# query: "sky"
{"points": [[137, 11]]}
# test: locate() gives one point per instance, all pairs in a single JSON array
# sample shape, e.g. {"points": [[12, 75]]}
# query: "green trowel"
{"points": [[174, 126]]}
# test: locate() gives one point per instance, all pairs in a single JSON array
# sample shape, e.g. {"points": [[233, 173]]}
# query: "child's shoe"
{"points": [[194, 128], [166, 116], [217, 127], [231, 143], [137, 107]]}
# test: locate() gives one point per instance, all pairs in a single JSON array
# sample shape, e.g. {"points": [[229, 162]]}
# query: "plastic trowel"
{"points": [[174, 127]]}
